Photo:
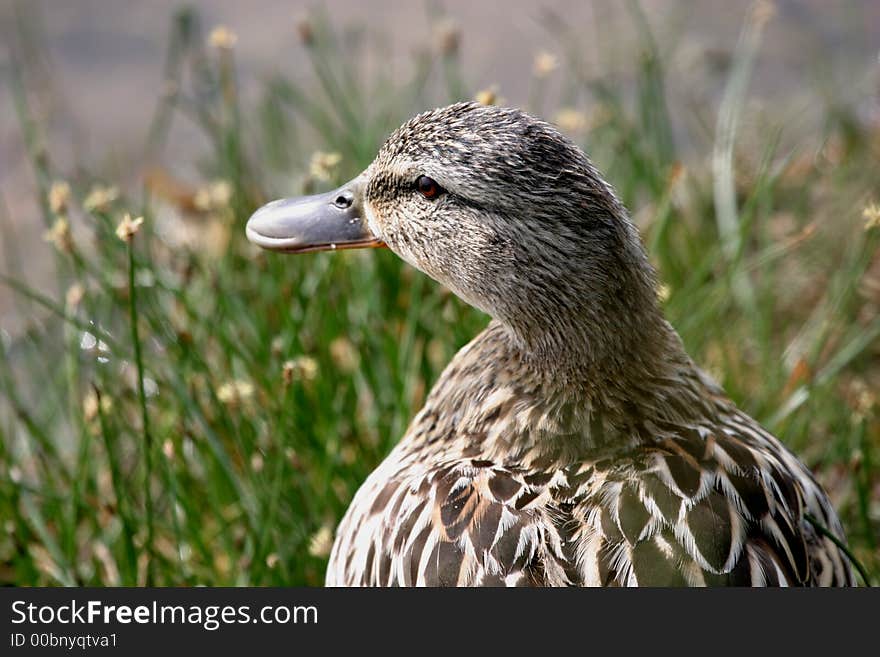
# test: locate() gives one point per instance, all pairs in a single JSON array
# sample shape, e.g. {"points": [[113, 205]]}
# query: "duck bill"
{"points": [[322, 222]]}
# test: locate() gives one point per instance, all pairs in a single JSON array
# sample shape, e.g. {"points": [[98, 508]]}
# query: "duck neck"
{"points": [[551, 403], [587, 327], [601, 355], [559, 398]]}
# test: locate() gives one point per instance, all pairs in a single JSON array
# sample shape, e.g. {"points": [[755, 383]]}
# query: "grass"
{"points": [[193, 411]]}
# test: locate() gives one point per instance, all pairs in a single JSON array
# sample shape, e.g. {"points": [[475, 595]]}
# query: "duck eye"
{"points": [[428, 187]]}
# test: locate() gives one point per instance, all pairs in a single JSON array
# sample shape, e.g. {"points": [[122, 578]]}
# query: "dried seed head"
{"points": [[59, 235], [862, 400], [222, 38], [304, 368], [663, 293], [344, 355], [348, 454], [436, 352], [571, 120], [59, 197], [545, 63], [222, 563], [305, 31], [677, 174], [323, 165], [287, 371], [128, 227], [321, 542], [233, 393], [213, 196], [488, 96], [90, 406], [763, 12], [74, 296], [100, 198], [871, 215], [447, 36]]}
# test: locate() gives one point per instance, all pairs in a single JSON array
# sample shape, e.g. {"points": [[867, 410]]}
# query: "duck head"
{"points": [[503, 210]]}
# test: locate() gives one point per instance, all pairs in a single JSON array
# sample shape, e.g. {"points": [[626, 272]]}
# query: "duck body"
{"points": [[573, 442], [493, 486]]}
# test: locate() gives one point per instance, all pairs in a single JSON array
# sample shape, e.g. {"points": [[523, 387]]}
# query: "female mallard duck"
{"points": [[573, 442]]}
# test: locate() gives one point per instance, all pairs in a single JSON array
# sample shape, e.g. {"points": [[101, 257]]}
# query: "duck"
{"points": [[573, 442]]}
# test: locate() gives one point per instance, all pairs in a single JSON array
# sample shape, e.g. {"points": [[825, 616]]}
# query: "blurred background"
{"points": [[101, 65], [222, 440]]}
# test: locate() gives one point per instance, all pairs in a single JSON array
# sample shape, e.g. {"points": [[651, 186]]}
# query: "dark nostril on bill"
{"points": [[344, 200]]}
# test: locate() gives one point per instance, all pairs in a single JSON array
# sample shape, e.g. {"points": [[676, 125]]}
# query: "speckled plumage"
{"points": [[573, 442], [493, 486]]}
